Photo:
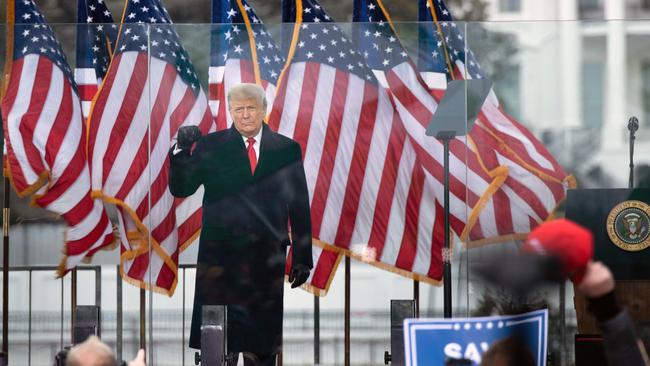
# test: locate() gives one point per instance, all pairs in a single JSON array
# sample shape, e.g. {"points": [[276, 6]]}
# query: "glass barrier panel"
{"points": [[365, 104]]}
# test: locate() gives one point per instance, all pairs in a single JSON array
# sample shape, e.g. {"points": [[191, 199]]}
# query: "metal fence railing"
{"points": [[35, 336]]}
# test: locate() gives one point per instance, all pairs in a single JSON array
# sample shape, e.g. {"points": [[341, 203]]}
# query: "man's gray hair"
{"points": [[91, 351], [247, 91]]}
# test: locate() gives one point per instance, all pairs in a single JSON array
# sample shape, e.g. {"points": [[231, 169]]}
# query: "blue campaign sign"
{"points": [[432, 341]]}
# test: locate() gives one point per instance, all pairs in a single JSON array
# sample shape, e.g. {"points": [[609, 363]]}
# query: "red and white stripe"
{"points": [[45, 150], [138, 111], [516, 136], [535, 182], [518, 199], [87, 84], [367, 188], [375, 177]]}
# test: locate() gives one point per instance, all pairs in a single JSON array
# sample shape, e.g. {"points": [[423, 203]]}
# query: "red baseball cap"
{"points": [[566, 240]]}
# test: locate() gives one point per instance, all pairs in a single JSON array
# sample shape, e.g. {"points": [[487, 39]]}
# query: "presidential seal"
{"points": [[628, 225]]}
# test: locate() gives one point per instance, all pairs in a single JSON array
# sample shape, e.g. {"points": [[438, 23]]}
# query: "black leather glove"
{"points": [[299, 274], [187, 135]]}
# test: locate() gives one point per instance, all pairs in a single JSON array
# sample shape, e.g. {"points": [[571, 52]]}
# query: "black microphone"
{"points": [[633, 124]]}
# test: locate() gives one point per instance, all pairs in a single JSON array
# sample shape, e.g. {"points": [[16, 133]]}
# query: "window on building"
{"points": [[590, 5], [510, 6], [592, 94], [645, 5], [508, 90], [645, 77]]}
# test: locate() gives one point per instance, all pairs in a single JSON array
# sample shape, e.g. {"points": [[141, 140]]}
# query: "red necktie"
{"points": [[252, 157]]}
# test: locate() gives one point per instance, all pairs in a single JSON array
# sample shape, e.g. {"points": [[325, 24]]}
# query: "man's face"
{"points": [[247, 115]]}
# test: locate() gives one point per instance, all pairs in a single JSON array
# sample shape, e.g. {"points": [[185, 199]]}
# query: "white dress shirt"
{"points": [[256, 145]]}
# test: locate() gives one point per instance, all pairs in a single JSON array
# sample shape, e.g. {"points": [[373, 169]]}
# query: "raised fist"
{"points": [[187, 135]]}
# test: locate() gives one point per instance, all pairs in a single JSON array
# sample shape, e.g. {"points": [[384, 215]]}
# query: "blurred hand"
{"points": [[187, 135], [299, 274], [139, 359], [597, 280]]}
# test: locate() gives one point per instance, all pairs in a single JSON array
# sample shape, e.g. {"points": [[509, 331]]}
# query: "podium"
{"points": [[620, 222]]}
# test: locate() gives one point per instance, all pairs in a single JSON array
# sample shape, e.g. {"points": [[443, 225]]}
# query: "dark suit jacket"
{"points": [[244, 236]]}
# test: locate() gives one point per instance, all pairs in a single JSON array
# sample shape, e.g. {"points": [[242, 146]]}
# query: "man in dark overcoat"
{"points": [[254, 191]]}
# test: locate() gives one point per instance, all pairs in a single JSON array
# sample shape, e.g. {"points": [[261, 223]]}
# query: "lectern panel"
{"points": [[621, 227]]}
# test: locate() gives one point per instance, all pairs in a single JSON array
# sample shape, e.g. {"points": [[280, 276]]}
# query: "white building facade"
{"points": [[583, 68]]}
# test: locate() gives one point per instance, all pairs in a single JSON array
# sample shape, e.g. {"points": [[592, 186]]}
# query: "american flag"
{"points": [[140, 106], [535, 182], [96, 35], [365, 184], [45, 134], [472, 187], [238, 31], [236, 28]]}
